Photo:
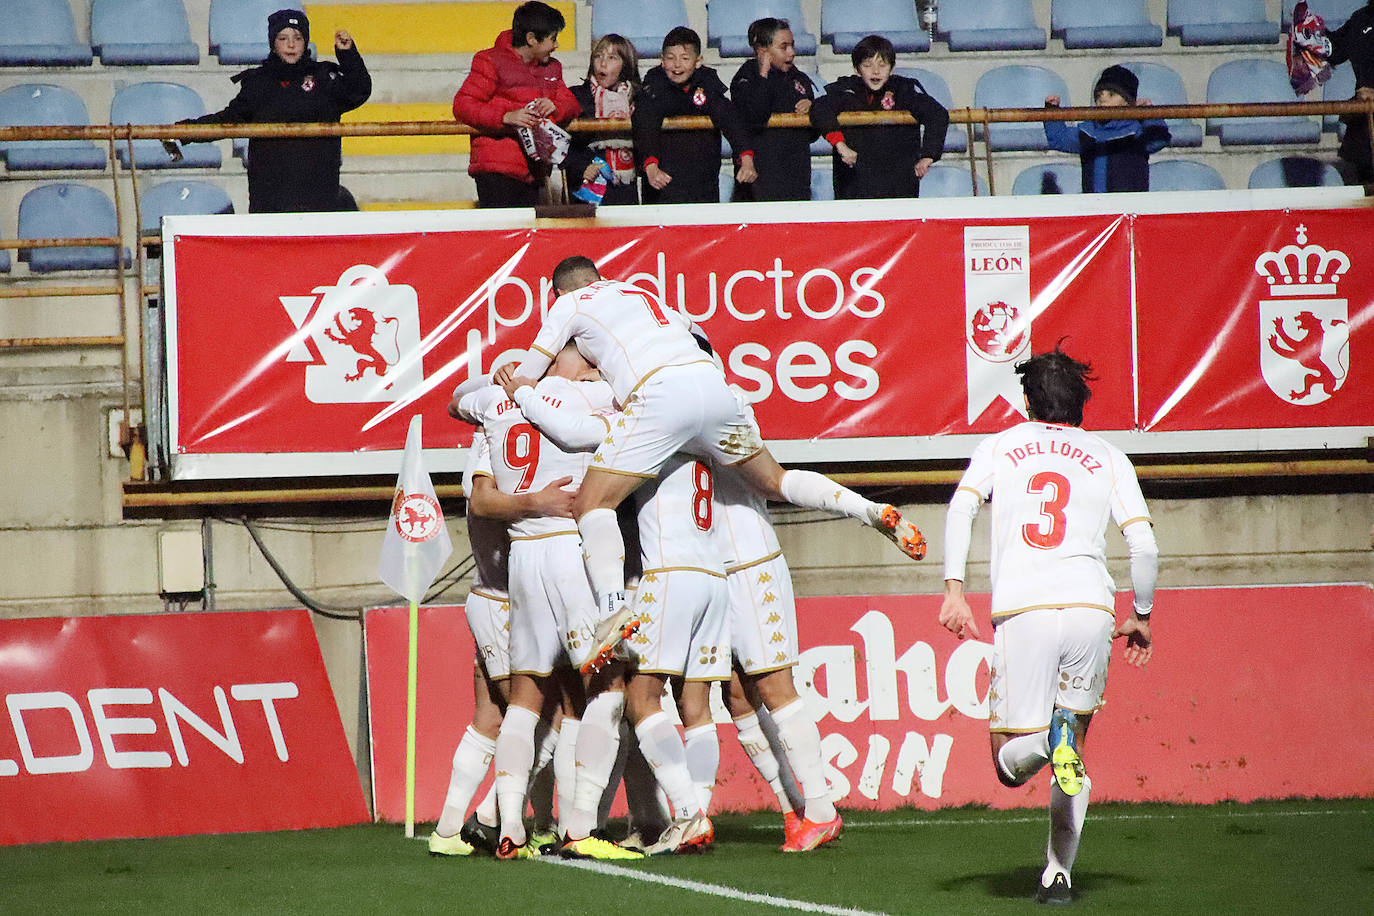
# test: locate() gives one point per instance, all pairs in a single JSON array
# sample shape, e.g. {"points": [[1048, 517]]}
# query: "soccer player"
{"points": [[1055, 485], [673, 398]]}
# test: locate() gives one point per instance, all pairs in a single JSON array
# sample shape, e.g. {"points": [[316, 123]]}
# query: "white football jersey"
{"points": [[487, 536], [621, 329], [744, 530], [522, 458], [1053, 489], [676, 513]]}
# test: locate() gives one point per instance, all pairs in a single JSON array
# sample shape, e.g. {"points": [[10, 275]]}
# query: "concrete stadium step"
{"points": [[403, 146]]}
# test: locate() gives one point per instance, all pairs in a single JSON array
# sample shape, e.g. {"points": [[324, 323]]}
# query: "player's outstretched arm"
{"points": [[1139, 641], [955, 613]]}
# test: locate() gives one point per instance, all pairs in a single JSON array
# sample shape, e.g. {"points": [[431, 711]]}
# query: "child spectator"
{"points": [[514, 84], [295, 174], [609, 92], [683, 166], [886, 160], [1115, 154], [769, 85]]}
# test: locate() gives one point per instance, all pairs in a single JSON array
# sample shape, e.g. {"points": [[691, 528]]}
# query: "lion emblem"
{"points": [[358, 332], [994, 331], [1306, 350]]}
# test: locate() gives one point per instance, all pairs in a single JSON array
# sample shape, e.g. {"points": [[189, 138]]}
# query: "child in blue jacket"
{"points": [[1115, 154]]}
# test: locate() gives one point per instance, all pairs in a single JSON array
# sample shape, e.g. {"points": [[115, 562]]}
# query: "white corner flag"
{"points": [[417, 541], [414, 550]]}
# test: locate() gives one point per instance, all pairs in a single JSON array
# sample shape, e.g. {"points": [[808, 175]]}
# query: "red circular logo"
{"points": [[995, 332], [417, 517]]}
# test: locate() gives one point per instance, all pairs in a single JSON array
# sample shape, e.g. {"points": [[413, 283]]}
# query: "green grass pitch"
{"points": [[1271, 857]]}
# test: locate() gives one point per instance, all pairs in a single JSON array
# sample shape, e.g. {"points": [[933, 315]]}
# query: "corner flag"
{"points": [[417, 542]]}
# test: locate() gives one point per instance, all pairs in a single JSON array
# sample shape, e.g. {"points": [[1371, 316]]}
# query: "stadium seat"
{"points": [[1018, 86], [160, 103], [1295, 172], [1221, 22], [1184, 175], [174, 198], [238, 28], [643, 22], [1162, 85], [1333, 12], [1340, 88], [4, 262], [950, 181], [956, 138], [67, 211], [989, 25], [845, 22], [1052, 178], [1104, 24], [822, 183], [1257, 80], [142, 32], [40, 33], [727, 24], [38, 105]]}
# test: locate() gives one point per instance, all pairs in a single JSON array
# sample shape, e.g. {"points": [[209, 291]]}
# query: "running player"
{"points": [[1052, 609], [673, 399]]}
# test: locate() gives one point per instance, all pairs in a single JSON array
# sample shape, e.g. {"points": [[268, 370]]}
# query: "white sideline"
{"points": [[715, 890]]}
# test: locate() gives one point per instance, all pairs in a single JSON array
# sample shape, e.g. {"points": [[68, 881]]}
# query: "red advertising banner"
{"points": [[167, 724], [902, 705], [879, 338]]}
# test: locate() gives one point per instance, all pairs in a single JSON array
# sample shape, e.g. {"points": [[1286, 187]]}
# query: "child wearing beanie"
{"points": [[1115, 155]]}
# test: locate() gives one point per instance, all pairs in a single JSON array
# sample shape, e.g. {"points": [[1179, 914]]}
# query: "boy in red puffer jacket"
{"points": [[513, 84]]}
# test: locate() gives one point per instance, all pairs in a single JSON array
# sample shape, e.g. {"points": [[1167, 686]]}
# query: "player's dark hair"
{"points": [[681, 36], [1056, 386], [575, 272], [873, 46], [540, 18], [763, 31]]}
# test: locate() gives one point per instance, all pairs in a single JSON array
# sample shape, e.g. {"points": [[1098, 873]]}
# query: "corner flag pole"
{"points": [[412, 678]]}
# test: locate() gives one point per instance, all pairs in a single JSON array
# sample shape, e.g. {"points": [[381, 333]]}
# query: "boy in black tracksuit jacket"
{"points": [[765, 86], [296, 174], [683, 166], [884, 160]]}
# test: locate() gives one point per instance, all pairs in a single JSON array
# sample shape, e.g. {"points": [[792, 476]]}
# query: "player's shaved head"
{"points": [[574, 272], [1056, 387]]}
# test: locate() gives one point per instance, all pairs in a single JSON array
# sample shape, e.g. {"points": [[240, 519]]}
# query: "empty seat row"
{"points": [[131, 32], [1185, 175]]}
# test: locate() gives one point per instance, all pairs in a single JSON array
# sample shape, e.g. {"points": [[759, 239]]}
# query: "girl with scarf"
{"points": [[612, 81]]}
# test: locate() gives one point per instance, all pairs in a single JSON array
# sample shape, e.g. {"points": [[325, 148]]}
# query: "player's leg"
{"points": [[515, 758], [471, 760], [666, 754], [1021, 685], [699, 737], [603, 551], [747, 713], [801, 741], [598, 746]]}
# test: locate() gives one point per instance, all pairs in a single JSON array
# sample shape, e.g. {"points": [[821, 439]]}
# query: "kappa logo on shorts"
{"points": [[1304, 328], [359, 337]]}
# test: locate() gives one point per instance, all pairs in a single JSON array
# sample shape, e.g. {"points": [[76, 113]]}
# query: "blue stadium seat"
{"points": [[727, 24], [1333, 12], [1018, 86], [845, 22], [643, 22], [38, 105], [822, 183], [1221, 22], [174, 198], [40, 33], [1184, 175], [4, 262], [161, 103], [989, 25], [238, 28], [1339, 88], [142, 32], [1295, 172], [66, 211], [1162, 85], [1052, 178], [950, 181], [1104, 24], [1257, 80], [956, 138]]}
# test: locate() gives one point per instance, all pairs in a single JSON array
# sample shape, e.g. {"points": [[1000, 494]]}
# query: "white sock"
{"points": [[796, 801], [514, 762], [603, 550], [663, 748], [801, 742], [755, 744], [565, 768], [703, 759], [1066, 828], [1023, 756], [598, 742], [647, 806], [816, 491], [471, 761], [486, 810], [540, 790]]}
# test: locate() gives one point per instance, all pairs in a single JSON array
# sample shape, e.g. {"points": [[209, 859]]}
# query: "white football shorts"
{"points": [[684, 624], [1045, 658], [552, 605], [678, 409], [488, 614], [763, 616]]}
